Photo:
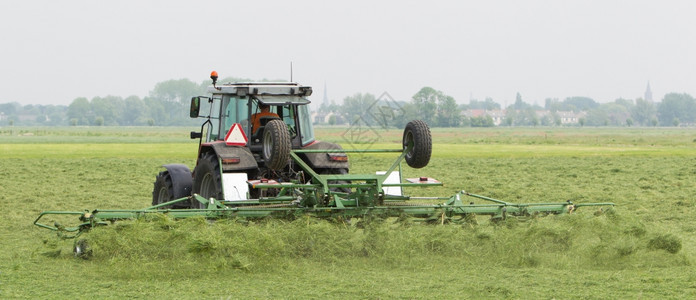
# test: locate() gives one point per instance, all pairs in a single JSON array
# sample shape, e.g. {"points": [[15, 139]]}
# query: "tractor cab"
{"points": [[252, 106]]}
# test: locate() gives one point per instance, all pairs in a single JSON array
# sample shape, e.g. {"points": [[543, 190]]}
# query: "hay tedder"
{"points": [[258, 158]]}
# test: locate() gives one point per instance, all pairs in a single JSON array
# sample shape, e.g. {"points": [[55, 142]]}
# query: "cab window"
{"points": [[288, 116], [305, 125], [235, 110]]}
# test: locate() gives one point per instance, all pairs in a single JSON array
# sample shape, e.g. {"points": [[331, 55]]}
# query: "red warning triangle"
{"points": [[235, 136]]}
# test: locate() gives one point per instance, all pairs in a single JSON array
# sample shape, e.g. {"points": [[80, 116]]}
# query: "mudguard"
{"points": [[182, 181], [321, 160], [243, 154]]}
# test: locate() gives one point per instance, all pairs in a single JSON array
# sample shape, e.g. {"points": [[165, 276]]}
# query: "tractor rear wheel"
{"points": [[164, 189], [419, 142], [276, 144], [207, 180]]}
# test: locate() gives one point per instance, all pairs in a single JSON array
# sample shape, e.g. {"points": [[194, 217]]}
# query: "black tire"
{"points": [[163, 190], [276, 144], [207, 180], [417, 138]]}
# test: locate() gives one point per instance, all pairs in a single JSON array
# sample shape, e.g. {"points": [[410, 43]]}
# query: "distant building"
{"points": [[497, 115], [648, 93], [570, 117], [324, 118]]}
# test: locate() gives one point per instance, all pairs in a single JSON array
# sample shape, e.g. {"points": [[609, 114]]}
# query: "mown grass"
{"points": [[643, 248]]}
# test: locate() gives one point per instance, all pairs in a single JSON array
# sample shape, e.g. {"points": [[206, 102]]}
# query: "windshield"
{"points": [[235, 109]]}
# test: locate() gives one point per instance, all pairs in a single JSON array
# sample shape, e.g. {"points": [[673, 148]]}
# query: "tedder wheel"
{"points": [[276, 144], [82, 249], [207, 180], [417, 138], [164, 189]]}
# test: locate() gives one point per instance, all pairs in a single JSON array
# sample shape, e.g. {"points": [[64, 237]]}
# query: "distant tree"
{"points": [[156, 111], [488, 104], [426, 103], [629, 122], [681, 107], [526, 117], [409, 113], [643, 112], [447, 112], [436, 108], [355, 108], [179, 91], [10, 109], [135, 112], [108, 108], [79, 110], [616, 114], [597, 117], [546, 120], [578, 104], [510, 116], [482, 121], [174, 97], [627, 103], [519, 103]]}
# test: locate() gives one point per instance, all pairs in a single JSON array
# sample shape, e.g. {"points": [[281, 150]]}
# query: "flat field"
{"points": [[644, 248]]}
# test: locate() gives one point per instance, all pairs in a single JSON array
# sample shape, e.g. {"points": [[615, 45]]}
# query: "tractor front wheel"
{"points": [[207, 180], [164, 189], [276, 144], [419, 143]]}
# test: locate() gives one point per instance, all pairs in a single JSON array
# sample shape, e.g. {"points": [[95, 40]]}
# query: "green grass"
{"points": [[644, 248]]}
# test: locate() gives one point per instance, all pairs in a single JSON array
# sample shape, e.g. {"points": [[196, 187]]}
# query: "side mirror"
{"points": [[195, 107]]}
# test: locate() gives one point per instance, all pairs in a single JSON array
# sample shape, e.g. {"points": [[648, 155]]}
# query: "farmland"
{"points": [[645, 247]]}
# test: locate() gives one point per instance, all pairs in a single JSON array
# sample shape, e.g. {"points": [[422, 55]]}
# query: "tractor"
{"points": [[224, 167]]}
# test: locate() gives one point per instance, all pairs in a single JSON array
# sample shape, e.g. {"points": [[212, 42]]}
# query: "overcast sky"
{"points": [[55, 51]]}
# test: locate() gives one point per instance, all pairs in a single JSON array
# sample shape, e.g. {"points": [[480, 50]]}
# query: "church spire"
{"points": [[325, 101], [648, 93]]}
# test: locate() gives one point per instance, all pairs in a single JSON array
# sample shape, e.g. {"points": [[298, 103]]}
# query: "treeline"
{"points": [[167, 105], [441, 110]]}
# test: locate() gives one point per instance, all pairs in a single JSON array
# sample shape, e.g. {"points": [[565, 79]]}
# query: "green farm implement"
{"points": [[258, 158]]}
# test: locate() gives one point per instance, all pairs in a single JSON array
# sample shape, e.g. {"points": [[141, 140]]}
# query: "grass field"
{"points": [[644, 248]]}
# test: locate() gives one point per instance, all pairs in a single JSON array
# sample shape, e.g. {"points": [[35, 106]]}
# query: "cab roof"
{"points": [[266, 90]]}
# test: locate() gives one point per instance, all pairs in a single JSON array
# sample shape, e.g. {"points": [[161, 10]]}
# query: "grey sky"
{"points": [[55, 51]]}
